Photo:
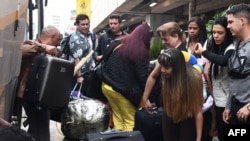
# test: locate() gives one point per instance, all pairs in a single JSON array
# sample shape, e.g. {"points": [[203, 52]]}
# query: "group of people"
{"points": [[127, 83], [81, 42]]}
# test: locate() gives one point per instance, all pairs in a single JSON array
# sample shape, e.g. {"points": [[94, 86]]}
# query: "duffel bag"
{"points": [[82, 116]]}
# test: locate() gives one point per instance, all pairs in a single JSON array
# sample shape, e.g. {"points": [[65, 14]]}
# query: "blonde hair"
{"points": [[171, 28]]}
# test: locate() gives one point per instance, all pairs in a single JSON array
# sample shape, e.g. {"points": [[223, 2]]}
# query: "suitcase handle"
{"points": [[113, 131], [79, 91], [79, 95]]}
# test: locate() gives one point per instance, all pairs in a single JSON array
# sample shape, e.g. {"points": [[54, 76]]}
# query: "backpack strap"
{"points": [[93, 39], [110, 49]]}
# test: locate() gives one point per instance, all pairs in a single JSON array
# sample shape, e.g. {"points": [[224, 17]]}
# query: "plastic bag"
{"points": [[83, 116]]}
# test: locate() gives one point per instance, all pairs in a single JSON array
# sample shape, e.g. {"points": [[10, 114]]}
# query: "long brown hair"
{"points": [[182, 91]]}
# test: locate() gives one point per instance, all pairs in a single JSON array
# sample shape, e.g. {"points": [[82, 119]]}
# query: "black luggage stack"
{"points": [[49, 82], [150, 125]]}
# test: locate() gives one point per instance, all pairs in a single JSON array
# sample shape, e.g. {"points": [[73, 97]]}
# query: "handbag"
{"points": [[92, 84]]}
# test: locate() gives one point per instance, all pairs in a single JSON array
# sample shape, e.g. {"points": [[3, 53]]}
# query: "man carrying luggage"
{"points": [[38, 118]]}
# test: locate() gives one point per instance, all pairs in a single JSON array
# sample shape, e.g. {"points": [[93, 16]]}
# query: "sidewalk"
{"points": [[56, 133]]}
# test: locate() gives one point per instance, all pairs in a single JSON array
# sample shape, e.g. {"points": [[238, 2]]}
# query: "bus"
{"points": [[15, 17]]}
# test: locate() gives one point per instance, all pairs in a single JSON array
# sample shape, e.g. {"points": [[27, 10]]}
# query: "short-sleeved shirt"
{"points": [[79, 48]]}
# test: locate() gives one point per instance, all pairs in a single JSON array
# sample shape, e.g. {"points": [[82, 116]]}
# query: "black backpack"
{"points": [[65, 49]]}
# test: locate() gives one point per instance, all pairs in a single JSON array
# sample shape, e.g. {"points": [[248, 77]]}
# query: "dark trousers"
{"points": [[235, 106], [17, 110], [219, 122], [207, 122], [181, 131], [38, 122]]}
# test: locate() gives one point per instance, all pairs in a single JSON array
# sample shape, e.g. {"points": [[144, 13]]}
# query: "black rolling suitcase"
{"points": [[150, 125], [49, 82]]}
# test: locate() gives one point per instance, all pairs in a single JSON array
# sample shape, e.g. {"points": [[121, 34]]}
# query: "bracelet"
{"points": [[79, 76]]}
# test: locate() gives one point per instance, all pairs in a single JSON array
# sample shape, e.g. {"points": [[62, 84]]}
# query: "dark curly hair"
{"points": [[81, 17]]}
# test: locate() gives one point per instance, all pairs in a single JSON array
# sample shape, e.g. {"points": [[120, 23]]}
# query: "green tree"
{"points": [[156, 47], [210, 23]]}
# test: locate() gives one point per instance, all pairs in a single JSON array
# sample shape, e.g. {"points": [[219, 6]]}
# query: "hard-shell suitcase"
{"points": [[150, 125], [49, 82], [113, 135]]}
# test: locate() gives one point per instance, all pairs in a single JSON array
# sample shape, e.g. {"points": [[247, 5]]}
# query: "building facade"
{"points": [[134, 12]]}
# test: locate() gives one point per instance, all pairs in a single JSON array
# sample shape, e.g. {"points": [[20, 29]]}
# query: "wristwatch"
{"points": [[248, 106]]}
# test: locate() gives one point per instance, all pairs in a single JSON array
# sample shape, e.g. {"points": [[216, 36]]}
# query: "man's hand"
{"points": [[243, 113], [98, 58], [52, 50]]}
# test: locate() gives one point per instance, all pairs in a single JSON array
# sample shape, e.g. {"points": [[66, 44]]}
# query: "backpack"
{"points": [[65, 48]]}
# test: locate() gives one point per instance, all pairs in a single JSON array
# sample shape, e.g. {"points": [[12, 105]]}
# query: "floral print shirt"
{"points": [[79, 48]]}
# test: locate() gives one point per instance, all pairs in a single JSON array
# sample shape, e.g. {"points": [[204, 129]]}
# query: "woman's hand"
{"points": [[147, 105], [198, 49], [226, 115]]}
